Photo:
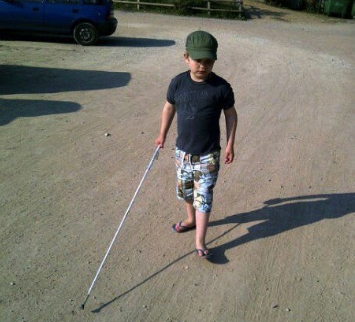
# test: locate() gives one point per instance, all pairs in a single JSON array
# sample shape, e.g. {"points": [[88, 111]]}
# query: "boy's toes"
{"points": [[180, 228], [203, 253]]}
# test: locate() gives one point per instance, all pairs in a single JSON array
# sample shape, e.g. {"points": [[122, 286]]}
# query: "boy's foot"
{"points": [[204, 253], [179, 228]]}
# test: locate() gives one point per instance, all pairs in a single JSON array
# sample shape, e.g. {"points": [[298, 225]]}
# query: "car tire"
{"points": [[85, 34]]}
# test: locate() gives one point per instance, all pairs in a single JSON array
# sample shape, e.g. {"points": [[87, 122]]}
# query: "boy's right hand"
{"points": [[159, 141]]}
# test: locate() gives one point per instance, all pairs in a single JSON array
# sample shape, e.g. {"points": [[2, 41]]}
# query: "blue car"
{"points": [[86, 20]]}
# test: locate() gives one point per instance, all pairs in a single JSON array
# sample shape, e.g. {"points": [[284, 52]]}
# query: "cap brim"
{"points": [[202, 54]]}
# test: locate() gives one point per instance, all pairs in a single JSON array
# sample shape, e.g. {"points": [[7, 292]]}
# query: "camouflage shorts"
{"points": [[196, 178]]}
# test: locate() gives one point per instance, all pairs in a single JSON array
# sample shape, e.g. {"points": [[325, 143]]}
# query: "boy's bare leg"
{"points": [[201, 229], [191, 215]]}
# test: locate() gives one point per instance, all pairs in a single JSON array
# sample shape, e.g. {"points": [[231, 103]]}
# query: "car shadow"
{"points": [[277, 216], [134, 42], [16, 79], [104, 41], [14, 108], [10, 35]]}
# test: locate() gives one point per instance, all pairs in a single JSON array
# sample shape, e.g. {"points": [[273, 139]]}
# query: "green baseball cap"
{"points": [[200, 44]]}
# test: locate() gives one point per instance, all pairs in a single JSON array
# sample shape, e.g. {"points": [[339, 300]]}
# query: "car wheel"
{"points": [[85, 34]]}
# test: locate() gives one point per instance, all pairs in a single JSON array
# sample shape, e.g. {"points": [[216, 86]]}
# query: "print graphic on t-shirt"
{"points": [[188, 102]]}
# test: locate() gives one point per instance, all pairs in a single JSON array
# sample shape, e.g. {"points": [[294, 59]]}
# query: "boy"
{"points": [[198, 96]]}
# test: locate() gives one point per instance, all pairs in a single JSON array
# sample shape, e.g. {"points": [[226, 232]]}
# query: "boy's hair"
{"points": [[201, 44]]}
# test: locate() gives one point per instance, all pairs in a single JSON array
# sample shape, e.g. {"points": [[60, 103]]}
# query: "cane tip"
{"points": [[82, 306]]}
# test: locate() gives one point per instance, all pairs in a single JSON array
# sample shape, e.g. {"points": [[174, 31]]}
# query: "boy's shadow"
{"points": [[280, 215]]}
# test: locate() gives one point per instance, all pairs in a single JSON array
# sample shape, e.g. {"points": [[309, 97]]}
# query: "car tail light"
{"points": [[111, 13]]}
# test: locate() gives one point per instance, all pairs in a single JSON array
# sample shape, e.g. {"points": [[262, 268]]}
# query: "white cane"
{"points": [[155, 155]]}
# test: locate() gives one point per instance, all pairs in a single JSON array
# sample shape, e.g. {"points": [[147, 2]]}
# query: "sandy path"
{"points": [[282, 226]]}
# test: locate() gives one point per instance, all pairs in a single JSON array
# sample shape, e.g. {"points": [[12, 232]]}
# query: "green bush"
{"points": [[184, 7], [308, 5]]}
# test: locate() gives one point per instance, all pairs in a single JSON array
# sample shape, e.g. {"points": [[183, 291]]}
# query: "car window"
{"points": [[64, 1], [31, 1], [93, 2]]}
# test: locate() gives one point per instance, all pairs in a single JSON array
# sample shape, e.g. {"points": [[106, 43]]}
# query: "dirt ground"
{"points": [[282, 227]]}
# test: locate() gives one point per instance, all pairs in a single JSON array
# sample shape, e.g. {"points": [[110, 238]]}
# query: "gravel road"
{"points": [[282, 226]]}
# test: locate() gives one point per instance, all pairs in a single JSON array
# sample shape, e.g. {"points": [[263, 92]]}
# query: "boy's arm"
{"points": [[166, 119], [231, 127]]}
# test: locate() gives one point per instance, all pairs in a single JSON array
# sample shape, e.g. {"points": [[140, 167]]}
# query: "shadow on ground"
{"points": [[278, 216], [254, 12], [108, 41], [135, 42], [16, 79], [36, 37], [12, 109]]}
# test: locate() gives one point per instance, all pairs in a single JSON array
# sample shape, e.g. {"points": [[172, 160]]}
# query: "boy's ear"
{"points": [[186, 57]]}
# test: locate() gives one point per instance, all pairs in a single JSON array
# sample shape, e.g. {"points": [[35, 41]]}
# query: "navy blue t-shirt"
{"points": [[198, 107]]}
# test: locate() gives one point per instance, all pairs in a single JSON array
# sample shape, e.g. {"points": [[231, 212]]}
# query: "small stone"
{"points": [[275, 306], [186, 267], [107, 134], [12, 283], [288, 310]]}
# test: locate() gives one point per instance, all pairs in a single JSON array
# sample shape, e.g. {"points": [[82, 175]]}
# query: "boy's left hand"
{"points": [[229, 156]]}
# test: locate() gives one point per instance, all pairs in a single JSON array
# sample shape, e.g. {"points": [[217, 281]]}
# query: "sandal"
{"points": [[179, 228], [204, 253]]}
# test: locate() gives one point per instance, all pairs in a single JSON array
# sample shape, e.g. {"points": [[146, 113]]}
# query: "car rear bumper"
{"points": [[108, 27]]}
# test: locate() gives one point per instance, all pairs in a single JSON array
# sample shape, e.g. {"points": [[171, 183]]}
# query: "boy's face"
{"points": [[199, 68]]}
